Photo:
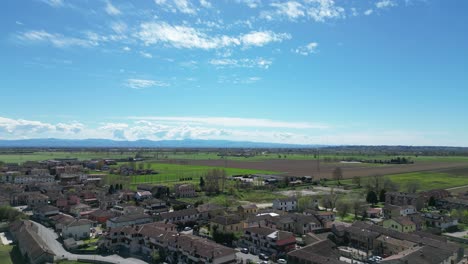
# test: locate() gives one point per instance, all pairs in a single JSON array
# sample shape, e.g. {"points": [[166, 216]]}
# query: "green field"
{"points": [[10, 255], [11, 157], [172, 173], [427, 180]]}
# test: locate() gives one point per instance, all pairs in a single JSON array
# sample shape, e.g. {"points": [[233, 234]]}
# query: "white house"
{"points": [[128, 220], [141, 195], [286, 204], [78, 229]]}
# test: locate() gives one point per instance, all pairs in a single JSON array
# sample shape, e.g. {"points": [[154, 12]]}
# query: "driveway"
{"points": [[50, 238], [244, 257]]}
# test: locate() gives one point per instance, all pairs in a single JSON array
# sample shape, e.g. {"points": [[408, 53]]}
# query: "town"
{"points": [[62, 210]]}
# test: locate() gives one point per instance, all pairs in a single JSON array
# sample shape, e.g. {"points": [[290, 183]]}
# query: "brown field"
{"points": [[310, 168]]}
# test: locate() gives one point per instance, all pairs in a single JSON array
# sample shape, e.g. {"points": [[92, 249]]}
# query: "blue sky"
{"points": [[305, 71]]}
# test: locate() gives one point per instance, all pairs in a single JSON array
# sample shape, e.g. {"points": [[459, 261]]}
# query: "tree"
{"points": [[357, 181], [343, 208], [141, 166], [390, 186], [382, 195], [111, 189], [432, 201], [338, 175], [202, 183], [412, 186], [359, 206], [372, 198], [120, 187]]}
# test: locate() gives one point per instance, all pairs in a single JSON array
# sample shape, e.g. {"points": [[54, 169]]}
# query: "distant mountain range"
{"points": [[106, 143]]}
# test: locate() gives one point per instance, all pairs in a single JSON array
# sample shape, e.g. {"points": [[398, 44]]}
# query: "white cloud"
{"points": [[261, 38], [182, 6], [54, 3], [291, 9], [385, 4], [250, 3], [143, 83], [205, 3], [126, 48], [146, 55], [368, 12], [119, 27], [232, 122], [317, 10], [188, 37], [243, 63], [56, 40], [111, 9], [307, 49], [20, 128]]}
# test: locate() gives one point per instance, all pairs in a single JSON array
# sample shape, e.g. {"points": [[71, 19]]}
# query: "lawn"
{"points": [[427, 180], [10, 255], [172, 173]]}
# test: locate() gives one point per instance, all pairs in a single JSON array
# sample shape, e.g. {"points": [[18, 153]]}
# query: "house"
{"points": [[296, 223], [247, 209], [208, 211], [128, 220], [154, 205], [181, 216], [32, 199], [32, 247], [226, 224], [271, 241], [424, 254], [320, 252], [142, 195], [401, 224], [45, 211], [387, 245], [184, 190], [374, 212], [127, 209], [390, 211], [61, 220], [439, 221], [100, 216], [80, 210], [453, 203], [78, 229], [285, 204]]}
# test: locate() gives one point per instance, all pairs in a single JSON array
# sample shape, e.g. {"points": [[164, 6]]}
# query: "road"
{"points": [[50, 238], [244, 257]]}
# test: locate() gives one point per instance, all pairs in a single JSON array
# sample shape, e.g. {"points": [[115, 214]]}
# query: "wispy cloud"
{"points": [[189, 37], [385, 4], [57, 40], [368, 12], [233, 122], [182, 6], [250, 3], [146, 55], [54, 3], [111, 9], [317, 10], [307, 49], [291, 9], [143, 83], [243, 63]]}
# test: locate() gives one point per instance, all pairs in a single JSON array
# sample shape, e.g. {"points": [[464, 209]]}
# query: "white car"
{"points": [[282, 261]]}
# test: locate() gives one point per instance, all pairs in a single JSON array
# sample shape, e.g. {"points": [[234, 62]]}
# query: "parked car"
{"points": [[282, 261], [262, 256], [187, 228], [245, 250]]}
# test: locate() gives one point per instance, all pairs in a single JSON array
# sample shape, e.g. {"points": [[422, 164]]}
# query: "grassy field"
{"points": [[169, 155], [427, 180], [172, 173], [10, 255]]}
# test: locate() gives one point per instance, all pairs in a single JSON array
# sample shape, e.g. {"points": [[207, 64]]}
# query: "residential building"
{"points": [[404, 199], [142, 195], [100, 216], [78, 229], [267, 240], [45, 211], [321, 252], [227, 224], [208, 210], [80, 210], [181, 216], [32, 247], [247, 209], [184, 190], [401, 224], [285, 204], [128, 220], [439, 221]]}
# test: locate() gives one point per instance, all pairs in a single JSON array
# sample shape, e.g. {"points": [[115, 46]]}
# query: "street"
{"points": [[50, 238]]}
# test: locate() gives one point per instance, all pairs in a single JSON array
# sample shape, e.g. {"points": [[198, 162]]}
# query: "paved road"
{"points": [[50, 237], [245, 257]]}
